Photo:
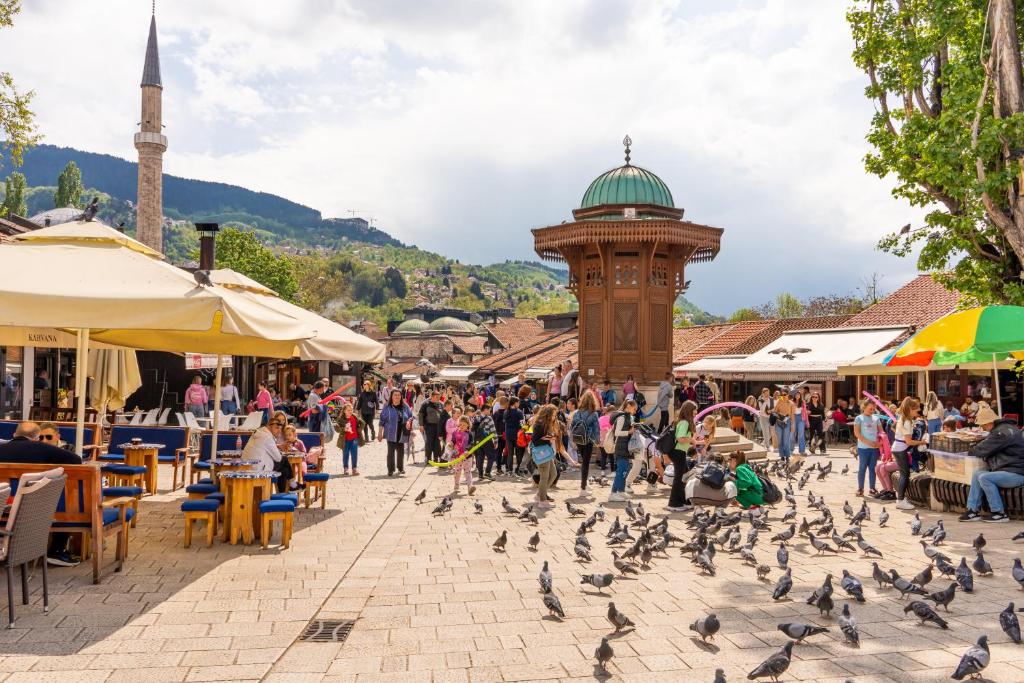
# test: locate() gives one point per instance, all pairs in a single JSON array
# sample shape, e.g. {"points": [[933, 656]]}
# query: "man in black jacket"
{"points": [[431, 425], [366, 403], [1003, 453]]}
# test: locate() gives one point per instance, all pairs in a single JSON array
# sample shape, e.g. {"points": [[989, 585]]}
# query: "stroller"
{"points": [[648, 436]]}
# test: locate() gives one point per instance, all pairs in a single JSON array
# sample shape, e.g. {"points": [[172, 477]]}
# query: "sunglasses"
{"points": [[47, 437]]}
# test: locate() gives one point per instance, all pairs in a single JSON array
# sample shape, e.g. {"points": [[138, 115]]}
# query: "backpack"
{"points": [[640, 399], [608, 444], [579, 431], [432, 414], [769, 491], [713, 475], [666, 442]]}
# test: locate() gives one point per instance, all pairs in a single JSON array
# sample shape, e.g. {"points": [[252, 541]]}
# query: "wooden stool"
{"points": [[199, 491], [318, 481], [277, 510], [133, 492], [200, 509], [126, 475]]}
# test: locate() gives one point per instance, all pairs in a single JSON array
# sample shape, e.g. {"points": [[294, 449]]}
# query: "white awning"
{"points": [[454, 373], [811, 355], [709, 365]]}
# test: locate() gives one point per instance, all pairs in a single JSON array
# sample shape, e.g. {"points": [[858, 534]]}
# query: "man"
{"points": [[608, 395], [313, 405], [42, 382], [705, 397], [366, 404], [1003, 453], [27, 448], [431, 426], [765, 406], [520, 383], [262, 446], [298, 393], [970, 411], [665, 392], [716, 392], [570, 381]]}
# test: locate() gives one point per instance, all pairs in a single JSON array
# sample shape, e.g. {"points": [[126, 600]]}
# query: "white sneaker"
{"points": [[617, 498], [904, 504]]}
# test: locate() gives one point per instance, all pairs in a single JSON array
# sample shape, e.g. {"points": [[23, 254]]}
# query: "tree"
{"points": [[948, 88], [394, 281], [833, 304], [744, 314], [785, 306], [17, 122], [241, 251], [69, 187], [475, 290], [14, 195]]}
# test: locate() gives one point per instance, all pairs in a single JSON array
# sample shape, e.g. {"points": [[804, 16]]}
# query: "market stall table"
{"points": [[143, 455], [243, 492]]}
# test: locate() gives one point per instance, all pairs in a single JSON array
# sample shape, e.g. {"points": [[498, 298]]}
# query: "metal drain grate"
{"points": [[328, 630]]}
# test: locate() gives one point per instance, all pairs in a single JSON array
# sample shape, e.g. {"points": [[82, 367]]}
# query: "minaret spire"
{"points": [[151, 69], [151, 143]]}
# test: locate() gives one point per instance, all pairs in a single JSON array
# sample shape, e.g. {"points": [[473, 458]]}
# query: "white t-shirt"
{"points": [[904, 431]]}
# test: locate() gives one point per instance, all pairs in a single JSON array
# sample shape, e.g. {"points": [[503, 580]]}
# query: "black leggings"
{"points": [[516, 452], [816, 433], [396, 456], [369, 433], [904, 462], [586, 452], [677, 497]]}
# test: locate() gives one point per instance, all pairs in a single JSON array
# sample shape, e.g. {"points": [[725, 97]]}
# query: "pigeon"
{"points": [[719, 676], [90, 212], [785, 535], [623, 566], [598, 581], [866, 547], [604, 654], [940, 534], [574, 510], [706, 627], [878, 575], [508, 507], [924, 577], [630, 511], [979, 542], [545, 578], [925, 613], [904, 586], [534, 540], [620, 537], [419, 498], [883, 518], [1019, 535], [981, 565], [617, 618], [842, 543], [441, 508], [532, 518], [974, 660], [703, 561], [847, 510], [943, 597], [478, 506], [554, 606], [748, 556], [525, 513], [930, 530], [783, 585], [782, 555], [804, 526], [789, 516], [582, 540], [1009, 623], [798, 631], [1018, 572], [852, 585], [762, 571], [599, 512], [846, 469], [825, 605], [774, 666], [499, 543], [202, 278], [915, 524], [964, 576], [848, 625], [582, 553], [818, 544]]}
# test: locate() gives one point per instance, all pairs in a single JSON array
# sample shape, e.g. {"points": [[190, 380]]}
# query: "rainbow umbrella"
{"points": [[985, 333]]}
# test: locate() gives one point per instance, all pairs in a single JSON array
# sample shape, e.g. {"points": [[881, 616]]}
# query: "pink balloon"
{"points": [[881, 406], [726, 404]]}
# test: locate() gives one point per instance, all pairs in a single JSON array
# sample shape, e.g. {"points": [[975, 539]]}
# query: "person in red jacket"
{"points": [[348, 426]]}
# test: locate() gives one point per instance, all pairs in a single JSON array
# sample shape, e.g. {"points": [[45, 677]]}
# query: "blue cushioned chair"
{"points": [[277, 510], [133, 492], [200, 491], [125, 475], [205, 509], [291, 497], [226, 441], [174, 452]]}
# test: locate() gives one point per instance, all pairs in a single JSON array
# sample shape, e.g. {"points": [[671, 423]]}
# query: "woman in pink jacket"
{"points": [[196, 397]]}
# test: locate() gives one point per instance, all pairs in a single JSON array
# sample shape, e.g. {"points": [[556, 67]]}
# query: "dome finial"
{"points": [[626, 142]]}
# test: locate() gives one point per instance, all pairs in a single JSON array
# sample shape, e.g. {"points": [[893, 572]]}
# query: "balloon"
{"points": [[881, 406], [463, 456], [331, 397], [726, 404]]}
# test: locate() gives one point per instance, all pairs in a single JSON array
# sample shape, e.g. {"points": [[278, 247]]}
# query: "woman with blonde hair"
{"points": [[903, 444], [933, 412]]}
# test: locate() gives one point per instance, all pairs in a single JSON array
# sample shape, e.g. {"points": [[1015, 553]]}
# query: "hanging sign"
{"points": [[204, 361]]}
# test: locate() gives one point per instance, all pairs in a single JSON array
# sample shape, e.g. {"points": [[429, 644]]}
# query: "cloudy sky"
{"points": [[458, 125]]}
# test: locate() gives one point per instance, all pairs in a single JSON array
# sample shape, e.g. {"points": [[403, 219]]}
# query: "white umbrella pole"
{"points": [[80, 380], [216, 407], [995, 379]]}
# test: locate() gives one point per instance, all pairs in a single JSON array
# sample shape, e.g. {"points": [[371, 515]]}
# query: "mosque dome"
{"points": [[481, 331], [410, 327], [448, 324], [627, 185], [59, 216]]}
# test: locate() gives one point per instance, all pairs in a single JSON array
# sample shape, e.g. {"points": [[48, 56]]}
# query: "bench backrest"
{"points": [[311, 439], [81, 501], [66, 429], [226, 441], [172, 438]]}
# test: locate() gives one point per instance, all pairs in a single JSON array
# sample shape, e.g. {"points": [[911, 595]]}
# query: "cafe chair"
{"points": [[277, 511], [205, 509]]}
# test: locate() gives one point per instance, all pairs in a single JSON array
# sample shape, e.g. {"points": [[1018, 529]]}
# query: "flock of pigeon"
{"points": [[638, 540]]}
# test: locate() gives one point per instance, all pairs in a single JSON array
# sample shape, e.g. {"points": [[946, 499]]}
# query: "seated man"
{"points": [[1003, 453], [699, 493], [26, 447]]}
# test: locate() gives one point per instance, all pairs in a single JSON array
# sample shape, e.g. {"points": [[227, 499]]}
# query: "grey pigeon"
{"points": [[798, 631], [924, 577], [974, 660], [554, 606], [931, 552], [598, 581], [782, 555], [617, 618], [202, 278], [904, 586], [719, 676], [878, 575], [534, 540], [623, 566], [646, 555], [499, 543], [848, 625], [783, 585], [940, 534], [545, 578], [1009, 623], [1017, 536], [604, 654], [574, 510], [824, 590], [703, 561], [825, 605], [818, 544], [847, 510], [943, 597], [582, 540], [915, 524], [925, 613], [774, 666], [1018, 572], [630, 511], [981, 565], [508, 507], [582, 553], [944, 567], [930, 530], [852, 585], [979, 542], [441, 508], [532, 518], [420, 496], [842, 543], [790, 515], [478, 506], [785, 535], [964, 576], [706, 627], [94, 206], [883, 518], [867, 548]]}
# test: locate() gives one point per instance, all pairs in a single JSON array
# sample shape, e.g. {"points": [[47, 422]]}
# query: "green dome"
{"points": [[481, 331], [449, 324], [411, 326], [627, 185]]}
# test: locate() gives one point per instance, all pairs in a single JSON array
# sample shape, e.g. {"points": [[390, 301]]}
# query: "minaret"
{"points": [[151, 143]]}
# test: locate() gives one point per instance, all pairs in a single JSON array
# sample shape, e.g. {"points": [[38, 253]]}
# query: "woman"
{"points": [[816, 422], [366, 402], [395, 427], [749, 416], [622, 429], [934, 412], [685, 431], [500, 406], [229, 398], [513, 451], [785, 427], [904, 442], [555, 383], [546, 444], [749, 489], [586, 431], [865, 429], [262, 447], [800, 423], [264, 402], [629, 388], [348, 431], [196, 397], [765, 407]]}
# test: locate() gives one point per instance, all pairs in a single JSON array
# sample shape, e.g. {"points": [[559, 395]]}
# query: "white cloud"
{"points": [[459, 125]]}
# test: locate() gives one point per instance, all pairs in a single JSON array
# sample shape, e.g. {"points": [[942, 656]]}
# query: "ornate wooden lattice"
{"points": [[659, 327], [626, 325], [627, 269], [592, 329], [592, 275], [659, 271]]}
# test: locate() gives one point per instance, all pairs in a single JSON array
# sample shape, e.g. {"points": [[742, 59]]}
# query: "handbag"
{"points": [[636, 443], [543, 453], [713, 476]]}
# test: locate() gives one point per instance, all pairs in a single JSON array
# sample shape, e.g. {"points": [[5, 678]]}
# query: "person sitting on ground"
{"points": [[1003, 453], [27, 448], [749, 489], [699, 493]]}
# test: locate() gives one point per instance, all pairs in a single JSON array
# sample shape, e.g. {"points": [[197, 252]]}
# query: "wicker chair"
{"points": [[27, 533]]}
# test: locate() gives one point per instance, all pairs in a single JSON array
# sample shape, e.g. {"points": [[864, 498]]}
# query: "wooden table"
{"points": [[144, 455], [243, 493], [295, 460], [229, 461]]}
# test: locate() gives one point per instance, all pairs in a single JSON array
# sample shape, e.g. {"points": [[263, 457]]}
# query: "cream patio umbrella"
{"points": [[115, 377], [92, 279]]}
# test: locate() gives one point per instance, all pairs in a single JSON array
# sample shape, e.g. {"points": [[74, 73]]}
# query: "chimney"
{"points": [[207, 244]]}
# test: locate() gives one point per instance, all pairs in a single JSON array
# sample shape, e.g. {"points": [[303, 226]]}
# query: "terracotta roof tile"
{"points": [[727, 341], [686, 340], [402, 367], [473, 345], [515, 332], [918, 303], [553, 347]]}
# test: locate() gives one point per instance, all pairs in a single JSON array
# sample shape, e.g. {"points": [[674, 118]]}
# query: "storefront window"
{"points": [[890, 386], [13, 381], [911, 383], [947, 383], [871, 384]]}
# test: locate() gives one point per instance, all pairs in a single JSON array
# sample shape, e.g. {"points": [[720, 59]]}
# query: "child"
{"points": [[483, 431], [750, 491], [348, 428], [460, 441], [622, 429], [705, 437], [292, 444]]}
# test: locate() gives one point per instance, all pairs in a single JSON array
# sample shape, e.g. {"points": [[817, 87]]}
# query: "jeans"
{"points": [[801, 441], [989, 483], [867, 458], [197, 409], [228, 407], [934, 425], [622, 466], [266, 417], [785, 435], [766, 431], [396, 456], [586, 452], [351, 449], [313, 422]]}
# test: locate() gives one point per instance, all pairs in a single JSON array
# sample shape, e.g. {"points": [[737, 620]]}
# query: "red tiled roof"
{"points": [[781, 326], [402, 367], [512, 333], [685, 340], [920, 302], [473, 345], [727, 341], [552, 348]]}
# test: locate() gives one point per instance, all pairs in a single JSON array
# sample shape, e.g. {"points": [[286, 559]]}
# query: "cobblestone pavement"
{"points": [[433, 602]]}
